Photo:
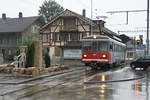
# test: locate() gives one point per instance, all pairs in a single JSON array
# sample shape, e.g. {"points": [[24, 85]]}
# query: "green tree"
{"points": [[47, 60], [49, 9], [30, 54]]}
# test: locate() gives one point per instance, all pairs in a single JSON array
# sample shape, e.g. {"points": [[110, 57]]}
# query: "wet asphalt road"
{"points": [[115, 84]]}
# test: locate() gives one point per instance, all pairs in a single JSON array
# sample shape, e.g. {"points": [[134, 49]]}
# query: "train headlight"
{"points": [[94, 36], [84, 55], [104, 56]]}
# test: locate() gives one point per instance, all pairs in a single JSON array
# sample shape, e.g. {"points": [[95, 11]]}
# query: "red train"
{"points": [[100, 50]]}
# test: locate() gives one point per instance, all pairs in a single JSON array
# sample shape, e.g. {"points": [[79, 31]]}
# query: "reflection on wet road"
{"points": [[125, 74], [71, 87]]}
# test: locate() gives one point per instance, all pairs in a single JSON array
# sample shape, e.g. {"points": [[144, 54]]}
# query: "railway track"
{"points": [[22, 91], [8, 85]]}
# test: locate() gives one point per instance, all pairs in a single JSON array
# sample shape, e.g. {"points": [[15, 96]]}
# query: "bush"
{"points": [[11, 56], [47, 60]]}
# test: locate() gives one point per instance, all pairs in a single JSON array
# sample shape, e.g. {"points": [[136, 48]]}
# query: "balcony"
{"points": [[72, 43], [68, 28]]}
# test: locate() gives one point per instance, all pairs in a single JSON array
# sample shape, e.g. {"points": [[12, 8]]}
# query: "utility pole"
{"points": [[147, 27], [91, 16], [147, 81]]}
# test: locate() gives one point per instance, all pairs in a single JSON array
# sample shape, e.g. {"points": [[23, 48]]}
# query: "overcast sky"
{"points": [[100, 7]]}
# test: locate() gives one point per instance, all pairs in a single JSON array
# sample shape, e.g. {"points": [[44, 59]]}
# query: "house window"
{"points": [[69, 37], [45, 38], [9, 51], [57, 37], [35, 29], [0, 41], [17, 39], [69, 23], [5, 41], [80, 36], [129, 54]]}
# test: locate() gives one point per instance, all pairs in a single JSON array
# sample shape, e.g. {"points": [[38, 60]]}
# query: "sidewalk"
{"points": [[8, 79]]}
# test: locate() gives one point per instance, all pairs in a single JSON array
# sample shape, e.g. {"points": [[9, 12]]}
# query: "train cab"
{"points": [[100, 50]]}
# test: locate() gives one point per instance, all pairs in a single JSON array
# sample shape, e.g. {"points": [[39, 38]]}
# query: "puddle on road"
{"points": [[121, 74]]}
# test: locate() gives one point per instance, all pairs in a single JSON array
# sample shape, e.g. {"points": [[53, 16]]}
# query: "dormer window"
{"points": [[69, 23]]}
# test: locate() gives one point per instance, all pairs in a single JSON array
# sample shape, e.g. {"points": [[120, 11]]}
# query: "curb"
{"points": [[112, 81], [40, 77]]}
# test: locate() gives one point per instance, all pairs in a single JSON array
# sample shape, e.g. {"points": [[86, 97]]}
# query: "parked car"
{"points": [[142, 62]]}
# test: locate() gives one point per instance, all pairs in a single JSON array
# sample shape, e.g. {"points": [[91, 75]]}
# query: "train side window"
{"points": [[121, 49], [111, 46], [117, 48], [114, 47]]}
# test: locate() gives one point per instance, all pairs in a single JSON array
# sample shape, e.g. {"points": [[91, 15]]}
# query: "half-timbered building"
{"points": [[63, 34]]}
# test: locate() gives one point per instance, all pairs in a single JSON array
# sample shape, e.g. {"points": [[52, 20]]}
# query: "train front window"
{"points": [[103, 46], [95, 46], [89, 46]]}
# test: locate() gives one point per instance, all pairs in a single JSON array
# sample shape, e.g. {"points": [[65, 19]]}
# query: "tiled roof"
{"points": [[78, 15], [16, 24]]}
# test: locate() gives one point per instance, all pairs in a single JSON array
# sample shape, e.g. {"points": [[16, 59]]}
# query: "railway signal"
{"points": [[138, 42]]}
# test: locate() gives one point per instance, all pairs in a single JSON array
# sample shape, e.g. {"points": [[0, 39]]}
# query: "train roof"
{"points": [[96, 37], [103, 37]]}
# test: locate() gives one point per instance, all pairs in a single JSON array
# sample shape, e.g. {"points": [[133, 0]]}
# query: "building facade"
{"points": [[130, 46], [14, 30]]}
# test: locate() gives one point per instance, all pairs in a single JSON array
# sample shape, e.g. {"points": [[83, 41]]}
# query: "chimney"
{"points": [[20, 15], [102, 23], [4, 16], [84, 13]]}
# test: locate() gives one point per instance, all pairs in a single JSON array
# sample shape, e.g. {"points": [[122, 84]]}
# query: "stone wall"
{"points": [[32, 71]]}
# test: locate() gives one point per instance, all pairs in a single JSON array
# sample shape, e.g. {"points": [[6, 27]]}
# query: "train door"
{"points": [[94, 46], [111, 49], [95, 49]]}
